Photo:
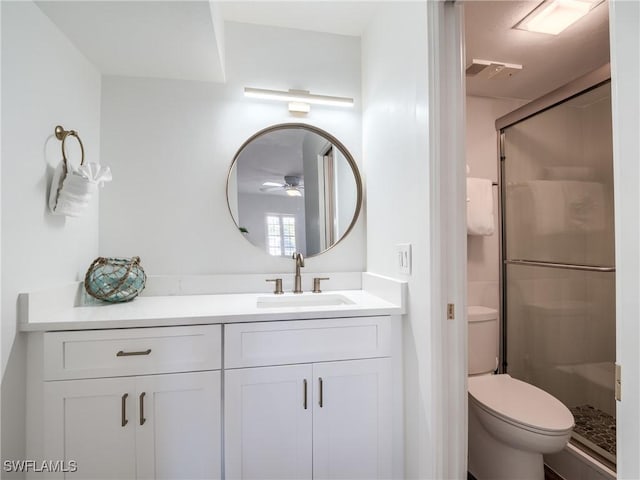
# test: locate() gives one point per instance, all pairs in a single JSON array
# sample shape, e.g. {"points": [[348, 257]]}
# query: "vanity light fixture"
{"points": [[299, 107], [300, 100], [553, 16]]}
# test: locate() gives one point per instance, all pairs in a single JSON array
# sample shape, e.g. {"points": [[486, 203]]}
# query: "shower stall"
{"points": [[558, 272]]}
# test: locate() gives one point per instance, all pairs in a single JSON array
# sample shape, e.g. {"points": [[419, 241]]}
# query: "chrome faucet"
{"points": [[298, 280]]}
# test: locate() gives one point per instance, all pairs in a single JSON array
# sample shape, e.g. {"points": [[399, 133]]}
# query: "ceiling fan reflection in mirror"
{"points": [[292, 186]]}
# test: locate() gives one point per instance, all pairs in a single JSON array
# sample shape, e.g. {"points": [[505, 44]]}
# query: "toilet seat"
{"points": [[520, 404]]}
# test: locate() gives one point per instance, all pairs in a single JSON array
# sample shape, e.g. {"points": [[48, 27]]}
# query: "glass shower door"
{"points": [[559, 274]]}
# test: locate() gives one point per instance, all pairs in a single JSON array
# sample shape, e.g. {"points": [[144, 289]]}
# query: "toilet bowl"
{"points": [[511, 423]]}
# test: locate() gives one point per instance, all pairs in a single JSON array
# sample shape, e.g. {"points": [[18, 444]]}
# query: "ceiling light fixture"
{"points": [[553, 16], [299, 97], [293, 191]]}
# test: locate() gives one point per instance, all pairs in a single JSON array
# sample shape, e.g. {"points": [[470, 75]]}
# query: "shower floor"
{"points": [[596, 430]]}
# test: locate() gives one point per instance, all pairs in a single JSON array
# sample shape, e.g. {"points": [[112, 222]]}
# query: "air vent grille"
{"points": [[491, 69]]}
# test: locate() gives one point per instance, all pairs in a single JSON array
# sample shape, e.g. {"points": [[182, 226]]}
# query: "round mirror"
{"points": [[294, 188]]}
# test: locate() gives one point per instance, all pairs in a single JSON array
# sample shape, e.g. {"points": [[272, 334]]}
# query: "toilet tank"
{"points": [[483, 339]]}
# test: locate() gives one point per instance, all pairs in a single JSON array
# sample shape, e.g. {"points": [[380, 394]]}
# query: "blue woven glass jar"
{"points": [[115, 279]]}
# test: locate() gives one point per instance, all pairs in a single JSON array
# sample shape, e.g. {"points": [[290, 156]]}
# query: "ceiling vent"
{"points": [[491, 69]]}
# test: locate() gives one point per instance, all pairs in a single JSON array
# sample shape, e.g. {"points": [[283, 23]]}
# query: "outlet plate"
{"points": [[403, 255]]}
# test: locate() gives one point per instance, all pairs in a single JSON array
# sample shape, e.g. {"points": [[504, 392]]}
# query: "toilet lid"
{"points": [[520, 402]]}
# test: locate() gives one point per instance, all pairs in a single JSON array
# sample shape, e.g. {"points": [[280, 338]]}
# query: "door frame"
{"points": [[624, 23], [448, 236], [448, 250]]}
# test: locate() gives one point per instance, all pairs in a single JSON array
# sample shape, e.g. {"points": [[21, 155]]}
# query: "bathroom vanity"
{"points": [[218, 386], [210, 382]]}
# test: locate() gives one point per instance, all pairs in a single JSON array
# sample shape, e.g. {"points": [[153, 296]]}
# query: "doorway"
{"points": [[494, 94]]}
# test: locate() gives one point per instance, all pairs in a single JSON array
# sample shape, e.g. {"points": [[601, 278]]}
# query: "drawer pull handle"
{"points": [[122, 353], [124, 420], [142, 419], [320, 402], [304, 382]]}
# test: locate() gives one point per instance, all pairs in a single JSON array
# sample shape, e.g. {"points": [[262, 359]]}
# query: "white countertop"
{"points": [[153, 311]]}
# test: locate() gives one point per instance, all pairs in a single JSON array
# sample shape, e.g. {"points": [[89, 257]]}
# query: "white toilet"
{"points": [[511, 423]]}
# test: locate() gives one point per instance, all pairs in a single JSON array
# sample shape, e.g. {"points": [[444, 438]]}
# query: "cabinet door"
{"points": [[352, 420], [91, 422], [268, 423], [178, 432]]}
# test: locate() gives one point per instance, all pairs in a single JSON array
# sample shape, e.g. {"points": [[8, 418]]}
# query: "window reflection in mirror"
{"points": [[294, 188]]}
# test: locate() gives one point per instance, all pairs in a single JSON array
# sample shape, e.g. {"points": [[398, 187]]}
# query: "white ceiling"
{"points": [[341, 17], [177, 39], [549, 61], [269, 158], [159, 39]]}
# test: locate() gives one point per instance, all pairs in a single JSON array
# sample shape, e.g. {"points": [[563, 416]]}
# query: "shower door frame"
{"points": [[579, 86], [573, 89]]}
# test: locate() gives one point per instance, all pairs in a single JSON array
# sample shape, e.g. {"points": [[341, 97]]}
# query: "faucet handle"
{"points": [[316, 284], [278, 287]]}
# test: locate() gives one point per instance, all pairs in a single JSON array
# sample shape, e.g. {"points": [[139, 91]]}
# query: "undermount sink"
{"points": [[311, 300]]}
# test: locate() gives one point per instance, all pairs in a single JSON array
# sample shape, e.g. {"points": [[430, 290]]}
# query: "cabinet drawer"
{"points": [[301, 341], [136, 351]]}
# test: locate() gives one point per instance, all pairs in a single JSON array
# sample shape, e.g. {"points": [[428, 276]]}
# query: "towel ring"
{"points": [[62, 134]]}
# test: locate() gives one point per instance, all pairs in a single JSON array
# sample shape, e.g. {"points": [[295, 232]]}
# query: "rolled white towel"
{"points": [[71, 193], [94, 172], [480, 206], [71, 208]]}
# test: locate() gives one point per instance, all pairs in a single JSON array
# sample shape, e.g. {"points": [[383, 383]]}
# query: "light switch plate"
{"points": [[403, 253]]}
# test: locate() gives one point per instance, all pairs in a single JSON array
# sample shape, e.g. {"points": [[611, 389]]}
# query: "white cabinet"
{"points": [[83, 421], [321, 420], [157, 426], [128, 403], [303, 399], [260, 344], [131, 351], [178, 434], [352, 419], [268, 423]]}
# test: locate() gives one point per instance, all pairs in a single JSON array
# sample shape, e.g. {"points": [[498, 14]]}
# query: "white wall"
{"points": [[396, 152], [45, 82], [170, 145], [483, 253]]}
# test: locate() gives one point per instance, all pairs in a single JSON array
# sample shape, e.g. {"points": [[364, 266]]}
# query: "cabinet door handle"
{"points": [[304, 383], [123, 420], [320, 401], [122, 353], [142, 419]]}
